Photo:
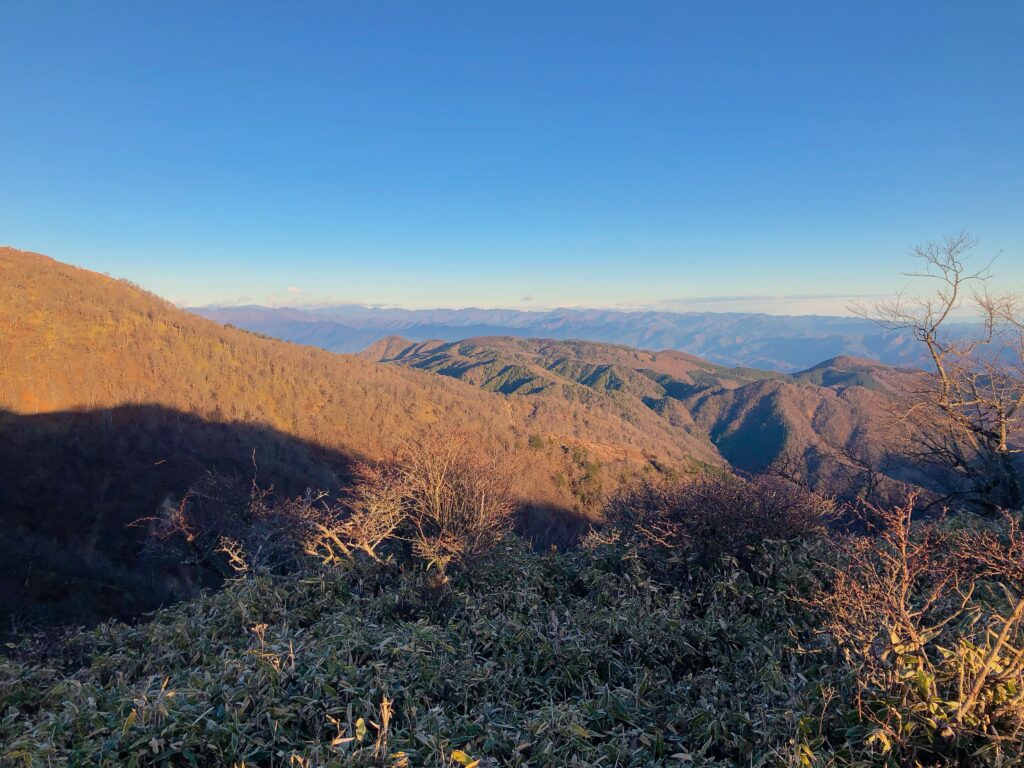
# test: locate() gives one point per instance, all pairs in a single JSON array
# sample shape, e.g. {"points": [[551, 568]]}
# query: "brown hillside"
{"points": [[760, 424], [617, 384], [754, 419], [73, 339], [106, 385]]}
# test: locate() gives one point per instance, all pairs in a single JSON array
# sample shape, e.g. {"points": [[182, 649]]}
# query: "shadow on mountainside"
{"points": [[71, 483]]}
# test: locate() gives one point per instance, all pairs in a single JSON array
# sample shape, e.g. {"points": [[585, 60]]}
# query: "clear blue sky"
{"points": [[510, 154]]}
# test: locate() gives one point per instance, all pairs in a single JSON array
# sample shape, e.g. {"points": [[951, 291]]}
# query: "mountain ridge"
{"points": [[776, 342], [579, 416], [752, 418]]}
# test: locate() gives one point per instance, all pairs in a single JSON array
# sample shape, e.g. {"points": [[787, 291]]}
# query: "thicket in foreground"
{"points": [[597, 657], [570, 659], [442, 499], [716, 515], [929, 618]]}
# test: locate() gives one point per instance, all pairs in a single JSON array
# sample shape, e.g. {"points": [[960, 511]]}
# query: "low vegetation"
{"points": [[928, 620], [769, 646], [442, 502], [569, 659], [717, 515]]}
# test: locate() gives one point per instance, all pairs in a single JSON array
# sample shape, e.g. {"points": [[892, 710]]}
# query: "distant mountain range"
{"points": [[778, 343]]}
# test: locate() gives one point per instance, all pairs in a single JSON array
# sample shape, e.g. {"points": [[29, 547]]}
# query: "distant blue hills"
{"points": [[772, 342]]}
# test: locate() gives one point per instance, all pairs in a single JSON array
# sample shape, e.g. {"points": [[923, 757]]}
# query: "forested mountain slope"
{"points": [[102, 384], [755, 419], [114, 402]]}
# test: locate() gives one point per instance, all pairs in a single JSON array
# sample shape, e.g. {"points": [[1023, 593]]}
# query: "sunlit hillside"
{"points": [[511, 385], [114, 401], [752, 419], [74, 339], [105, 386]]}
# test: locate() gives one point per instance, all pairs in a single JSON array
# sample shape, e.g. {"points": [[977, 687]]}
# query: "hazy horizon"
{"points": [[487, 383], [825, 306]]}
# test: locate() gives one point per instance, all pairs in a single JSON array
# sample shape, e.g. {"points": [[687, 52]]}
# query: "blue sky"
{"points": [[512, 154]]}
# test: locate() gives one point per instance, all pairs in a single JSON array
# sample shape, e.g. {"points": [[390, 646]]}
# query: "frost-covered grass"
{"points": [[598, 657]]}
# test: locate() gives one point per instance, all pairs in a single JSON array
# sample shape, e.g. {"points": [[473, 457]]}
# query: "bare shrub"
{"points": [[222, 523], [444, 494], [716, 515], [372, 514], [928, 616], [457, 497], [233, 527]]}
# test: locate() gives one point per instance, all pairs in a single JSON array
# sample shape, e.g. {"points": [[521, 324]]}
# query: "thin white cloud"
{"points": [[796, 304], [294, 289]]}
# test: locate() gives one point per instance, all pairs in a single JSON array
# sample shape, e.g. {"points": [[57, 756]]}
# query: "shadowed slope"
{"points": [[75, 341], [73, 482]]}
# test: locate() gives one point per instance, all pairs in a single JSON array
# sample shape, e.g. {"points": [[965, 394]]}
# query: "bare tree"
{"points": [[965, 416], [855, 471]]}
